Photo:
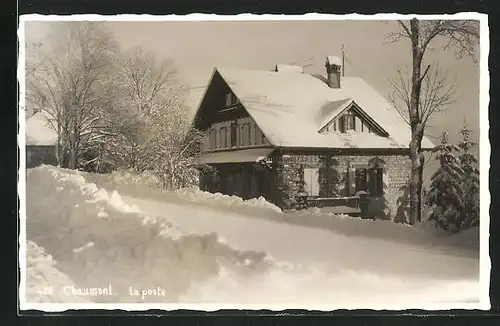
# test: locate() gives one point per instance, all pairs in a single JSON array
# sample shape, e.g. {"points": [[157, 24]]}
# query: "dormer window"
{"points": [[347, 122]]}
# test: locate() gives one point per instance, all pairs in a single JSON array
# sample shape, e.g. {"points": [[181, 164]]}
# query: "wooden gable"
{"points": [[354, 118], [219, 103]]}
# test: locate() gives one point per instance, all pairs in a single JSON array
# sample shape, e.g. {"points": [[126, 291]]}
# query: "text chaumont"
{"points": [[105, 291]]}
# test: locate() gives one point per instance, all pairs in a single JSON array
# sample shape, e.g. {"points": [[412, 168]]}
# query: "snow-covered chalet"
{"points": [[329, 140]]}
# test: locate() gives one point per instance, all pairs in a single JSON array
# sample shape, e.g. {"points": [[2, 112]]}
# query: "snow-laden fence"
{"points": [[99, 241]]}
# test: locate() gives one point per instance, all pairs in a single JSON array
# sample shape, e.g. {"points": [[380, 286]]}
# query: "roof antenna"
{"points": [[343, 60]]}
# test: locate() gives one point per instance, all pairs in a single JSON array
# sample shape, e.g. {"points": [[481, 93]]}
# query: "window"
{"points": [[370, 180], [245, 134], [212, 138], [234, 127], [249, 134], [342, 124], [376, 181], [311, 184], [361, 180], [231, 100], [223, 137], [347, 122]]}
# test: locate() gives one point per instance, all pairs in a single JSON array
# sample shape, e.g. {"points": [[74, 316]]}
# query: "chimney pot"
{"points": [[333, 66]]}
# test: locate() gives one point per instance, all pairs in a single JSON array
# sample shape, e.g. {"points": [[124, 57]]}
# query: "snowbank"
{"points": [[219, 200], [110, 247], [422, 234], [146, 185], [44, 282], [101, 241]]}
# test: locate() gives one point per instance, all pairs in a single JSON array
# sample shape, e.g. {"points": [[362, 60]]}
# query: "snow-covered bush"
{"points": [[454, 189], [445, 191], [470, 182]]}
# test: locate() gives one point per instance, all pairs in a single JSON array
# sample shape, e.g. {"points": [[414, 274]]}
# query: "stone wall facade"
{"points": [[396, 171]]}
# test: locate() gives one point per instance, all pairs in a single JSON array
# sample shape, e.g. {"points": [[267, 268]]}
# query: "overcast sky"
{"points": [[198, 47]]}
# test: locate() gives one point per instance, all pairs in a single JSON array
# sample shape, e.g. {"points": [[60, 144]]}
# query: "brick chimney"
{"points": [[333, 66]]}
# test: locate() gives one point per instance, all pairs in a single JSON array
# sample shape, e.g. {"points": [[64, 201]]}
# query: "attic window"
{"points": [[231, 100], [347, 122]]}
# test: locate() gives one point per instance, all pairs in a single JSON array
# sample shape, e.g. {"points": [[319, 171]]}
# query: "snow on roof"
{"points": [[247, 155], [290, 108], [39, 130], [289, 68], [333, 60]]}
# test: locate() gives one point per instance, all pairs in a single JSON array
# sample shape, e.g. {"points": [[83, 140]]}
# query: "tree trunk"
{"points": [[420, 185], [59, 153], [416, 125]]}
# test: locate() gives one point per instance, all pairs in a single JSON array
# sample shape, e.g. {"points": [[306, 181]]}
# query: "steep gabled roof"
{"points": [[290, 107]]}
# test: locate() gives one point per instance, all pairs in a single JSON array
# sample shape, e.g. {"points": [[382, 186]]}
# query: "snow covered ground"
{"points": [[136, 244]]}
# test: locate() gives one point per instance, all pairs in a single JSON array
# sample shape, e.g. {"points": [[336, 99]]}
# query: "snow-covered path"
{"points": [[368, 265]]}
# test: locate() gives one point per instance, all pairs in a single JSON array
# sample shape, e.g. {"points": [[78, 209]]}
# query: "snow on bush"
{"points": [[102, 243]]}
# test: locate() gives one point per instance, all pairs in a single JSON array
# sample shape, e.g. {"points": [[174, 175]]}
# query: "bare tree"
{"points": [[437, 93], [462, 36], [69, 83]]}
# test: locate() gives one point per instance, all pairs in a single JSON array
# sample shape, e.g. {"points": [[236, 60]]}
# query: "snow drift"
{"points": [[195, 247], [103, 243], [44, 282], [146, 185]]}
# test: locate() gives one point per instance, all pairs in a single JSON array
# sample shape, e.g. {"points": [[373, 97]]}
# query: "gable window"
{"points": [[347, 122], [223, 137], [231, 100]]}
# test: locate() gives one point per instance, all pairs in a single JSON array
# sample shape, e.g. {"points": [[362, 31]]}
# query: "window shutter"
{"points": [[380, 181], [373, 182], [249, 134], [311, 181], [351, 181], [253, 140], [385, 180], [234, 126], [361, 179]]}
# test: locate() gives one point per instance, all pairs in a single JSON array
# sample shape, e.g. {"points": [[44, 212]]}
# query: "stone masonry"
{"points": [[396, 169]]}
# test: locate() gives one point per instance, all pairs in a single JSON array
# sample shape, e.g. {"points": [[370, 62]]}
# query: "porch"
{"points": [[241, 173]]}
